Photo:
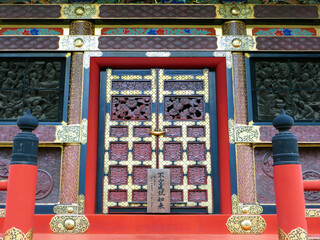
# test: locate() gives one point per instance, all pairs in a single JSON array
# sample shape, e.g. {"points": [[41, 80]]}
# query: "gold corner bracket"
{"points": [[76, 208], [246, 224], [15, 233], [243, 133], [73, 133], [240, 208], [227, 55]]}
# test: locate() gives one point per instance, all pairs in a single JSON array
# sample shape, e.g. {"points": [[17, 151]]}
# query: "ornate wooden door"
{"points": [[157, 118]]}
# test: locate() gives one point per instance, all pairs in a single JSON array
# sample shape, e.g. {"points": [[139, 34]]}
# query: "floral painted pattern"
{"points": [[284, 32], [31, 31], [158, 31]]}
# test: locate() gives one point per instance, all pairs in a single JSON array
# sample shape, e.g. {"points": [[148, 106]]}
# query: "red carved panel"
{"points": [[196, 131], [197, 175], [197, 195], [139, 195], [183, 108], [141, 132], [118, 175], [119, 131], [117, 195], [131, 108], [142, 151], [176, 196], [172, 151], [173, 132], [176, 175], [118, 151], [140, 175], [196, 151]]}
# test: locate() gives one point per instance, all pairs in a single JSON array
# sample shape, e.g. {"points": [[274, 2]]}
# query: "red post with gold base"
{"points": [[22, 182], [288, 181]]}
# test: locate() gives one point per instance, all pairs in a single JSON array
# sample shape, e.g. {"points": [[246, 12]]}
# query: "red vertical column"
{"points": [[288, 181], [22, 181]]}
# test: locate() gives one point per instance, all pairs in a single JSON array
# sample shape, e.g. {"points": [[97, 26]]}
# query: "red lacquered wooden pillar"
{"points": [[22, 181], [288, 181]]}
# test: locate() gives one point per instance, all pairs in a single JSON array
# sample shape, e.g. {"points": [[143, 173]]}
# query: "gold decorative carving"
{"points": [[71, 208], [83, 11], [227, 55], [87, 56], [2, 213], [241, 11], [17, 234], [226, 43], [158, 54], [74, 224], [246, 133], [231, 131], [312, 212], [73, 133], [240, 208], [76, 43], [246, 224], [295, 234]]}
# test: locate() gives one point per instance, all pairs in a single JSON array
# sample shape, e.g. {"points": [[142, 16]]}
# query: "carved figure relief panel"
{"points": [[289, 83], [139, 102], [35, 83]]}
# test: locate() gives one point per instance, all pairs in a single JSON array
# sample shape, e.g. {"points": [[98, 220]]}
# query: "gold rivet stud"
{"points": [[70, 209], [245, 210], [236, 42], [79, 11], [246, 225], [235, 11], [78, 42], [69, 224]]}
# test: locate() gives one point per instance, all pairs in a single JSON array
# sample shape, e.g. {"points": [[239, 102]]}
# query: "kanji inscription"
{"points": [[158, 191]]}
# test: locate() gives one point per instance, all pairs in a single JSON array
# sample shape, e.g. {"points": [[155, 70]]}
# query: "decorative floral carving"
{"points": [[139, 196], [131, 108], [183, 108], [118, 151], [173, 132], [131, 85], [183, 85], [117, 195], [197, 175], [196, 151], [141, 131], [140, 175], [118, 175], [172, 151], [118, 131], [176, 196], [197, 195], [196, 131], [142, 151], [176, 175]]}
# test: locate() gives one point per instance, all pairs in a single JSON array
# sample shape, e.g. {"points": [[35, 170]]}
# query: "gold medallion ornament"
{"points": [[83, 11], [246, 224], [236, 43], [74, 224], [17, 234], [295, 234], [240, 11]]}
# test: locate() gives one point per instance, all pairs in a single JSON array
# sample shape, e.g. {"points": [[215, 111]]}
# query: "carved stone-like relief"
{"points": [[292, 85], [172, 151], [196, 131], [118, 175], [267, 164], [311, 175], [197, 175], [131, 108], [183, 108], [44, 184], [131, 85], [142, 151], [197, 195], [196, 151], [183, 85], [4, 167], [118, 151], [35, 85]]}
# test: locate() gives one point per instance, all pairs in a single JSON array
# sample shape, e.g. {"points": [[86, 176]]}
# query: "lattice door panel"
{"points": [[138, 101]]}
